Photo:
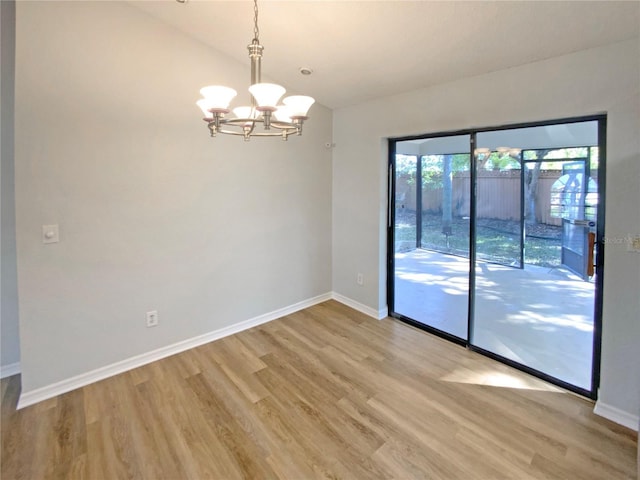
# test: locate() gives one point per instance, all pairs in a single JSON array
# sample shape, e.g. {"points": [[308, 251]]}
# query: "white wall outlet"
{"points": [[152, 318], [50, 234], [360, 279]]}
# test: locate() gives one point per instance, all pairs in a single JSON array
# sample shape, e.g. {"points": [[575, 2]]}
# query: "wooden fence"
{"points": [[498, 195]]}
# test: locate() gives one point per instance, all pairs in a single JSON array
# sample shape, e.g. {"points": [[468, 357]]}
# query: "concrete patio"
{"points": [[539, 317]]}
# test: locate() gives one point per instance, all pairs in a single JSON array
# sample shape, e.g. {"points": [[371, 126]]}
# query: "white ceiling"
{"points": [[361, 50]]}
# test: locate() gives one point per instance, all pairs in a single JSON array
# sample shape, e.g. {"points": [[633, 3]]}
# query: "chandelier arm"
{"points": [[256, 134], [240, 122], [231, 132], [251, 129], [269, 134]]}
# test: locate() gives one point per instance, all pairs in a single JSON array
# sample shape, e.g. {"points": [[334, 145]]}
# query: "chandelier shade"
{"points": [[265, 117], [298, 105], [217, 96], [283, 113], [266, 94]]}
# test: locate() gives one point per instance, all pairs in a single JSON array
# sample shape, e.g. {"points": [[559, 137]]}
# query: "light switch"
{"points": [[50, 234]]}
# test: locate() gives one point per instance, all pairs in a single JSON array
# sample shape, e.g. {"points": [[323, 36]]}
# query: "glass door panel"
{"points": [[431, 233], [529, 307]]}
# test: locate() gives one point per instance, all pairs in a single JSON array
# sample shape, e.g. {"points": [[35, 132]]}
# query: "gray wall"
{"points": [[153, 213], [588, 82], [10, 346]]}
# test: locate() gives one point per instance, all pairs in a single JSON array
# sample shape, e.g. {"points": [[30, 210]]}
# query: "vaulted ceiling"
{"points": [[360, 50]]}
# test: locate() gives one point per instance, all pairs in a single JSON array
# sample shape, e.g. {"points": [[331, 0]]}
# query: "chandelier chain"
{"points": [[256, 31]]}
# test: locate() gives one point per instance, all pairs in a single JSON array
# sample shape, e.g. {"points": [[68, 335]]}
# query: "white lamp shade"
{"points": [[267, 94], [245, 112], [298, 105], [218, 96], [204, 105], [283, 114]]}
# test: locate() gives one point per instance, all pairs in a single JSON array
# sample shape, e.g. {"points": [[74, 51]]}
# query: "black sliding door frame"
{"points": [[391, 232], [599, 242], [473, 185]]}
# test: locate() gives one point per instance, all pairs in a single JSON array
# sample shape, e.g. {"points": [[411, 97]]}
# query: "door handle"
{"points": [[389, 211], [591, 249]]}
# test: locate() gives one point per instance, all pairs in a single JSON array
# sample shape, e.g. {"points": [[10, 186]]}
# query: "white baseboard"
{"points": [[614, 414], [9, 370], [64, 386], [377, 314]]}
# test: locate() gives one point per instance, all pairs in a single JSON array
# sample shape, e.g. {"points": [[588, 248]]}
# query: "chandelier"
{"points": [[264, 117]]}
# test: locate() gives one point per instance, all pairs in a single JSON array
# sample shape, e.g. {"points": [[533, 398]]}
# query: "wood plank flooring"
{"points": [[323, 393]]}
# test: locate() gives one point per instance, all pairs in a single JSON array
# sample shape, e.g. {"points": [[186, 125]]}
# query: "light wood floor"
{"points": [[323, 393]]}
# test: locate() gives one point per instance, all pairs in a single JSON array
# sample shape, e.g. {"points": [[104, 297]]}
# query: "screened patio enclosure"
{"points": [[495, 249]]}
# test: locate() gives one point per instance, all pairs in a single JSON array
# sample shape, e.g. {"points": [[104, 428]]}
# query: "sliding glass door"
{"points": [[499, 250], [431, 179]]}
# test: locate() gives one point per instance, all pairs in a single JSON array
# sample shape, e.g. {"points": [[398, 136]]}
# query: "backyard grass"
{"points": [[497, 240]]}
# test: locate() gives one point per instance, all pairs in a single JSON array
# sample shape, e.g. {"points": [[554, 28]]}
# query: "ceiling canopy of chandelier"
{"points": [[264, 117]]}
